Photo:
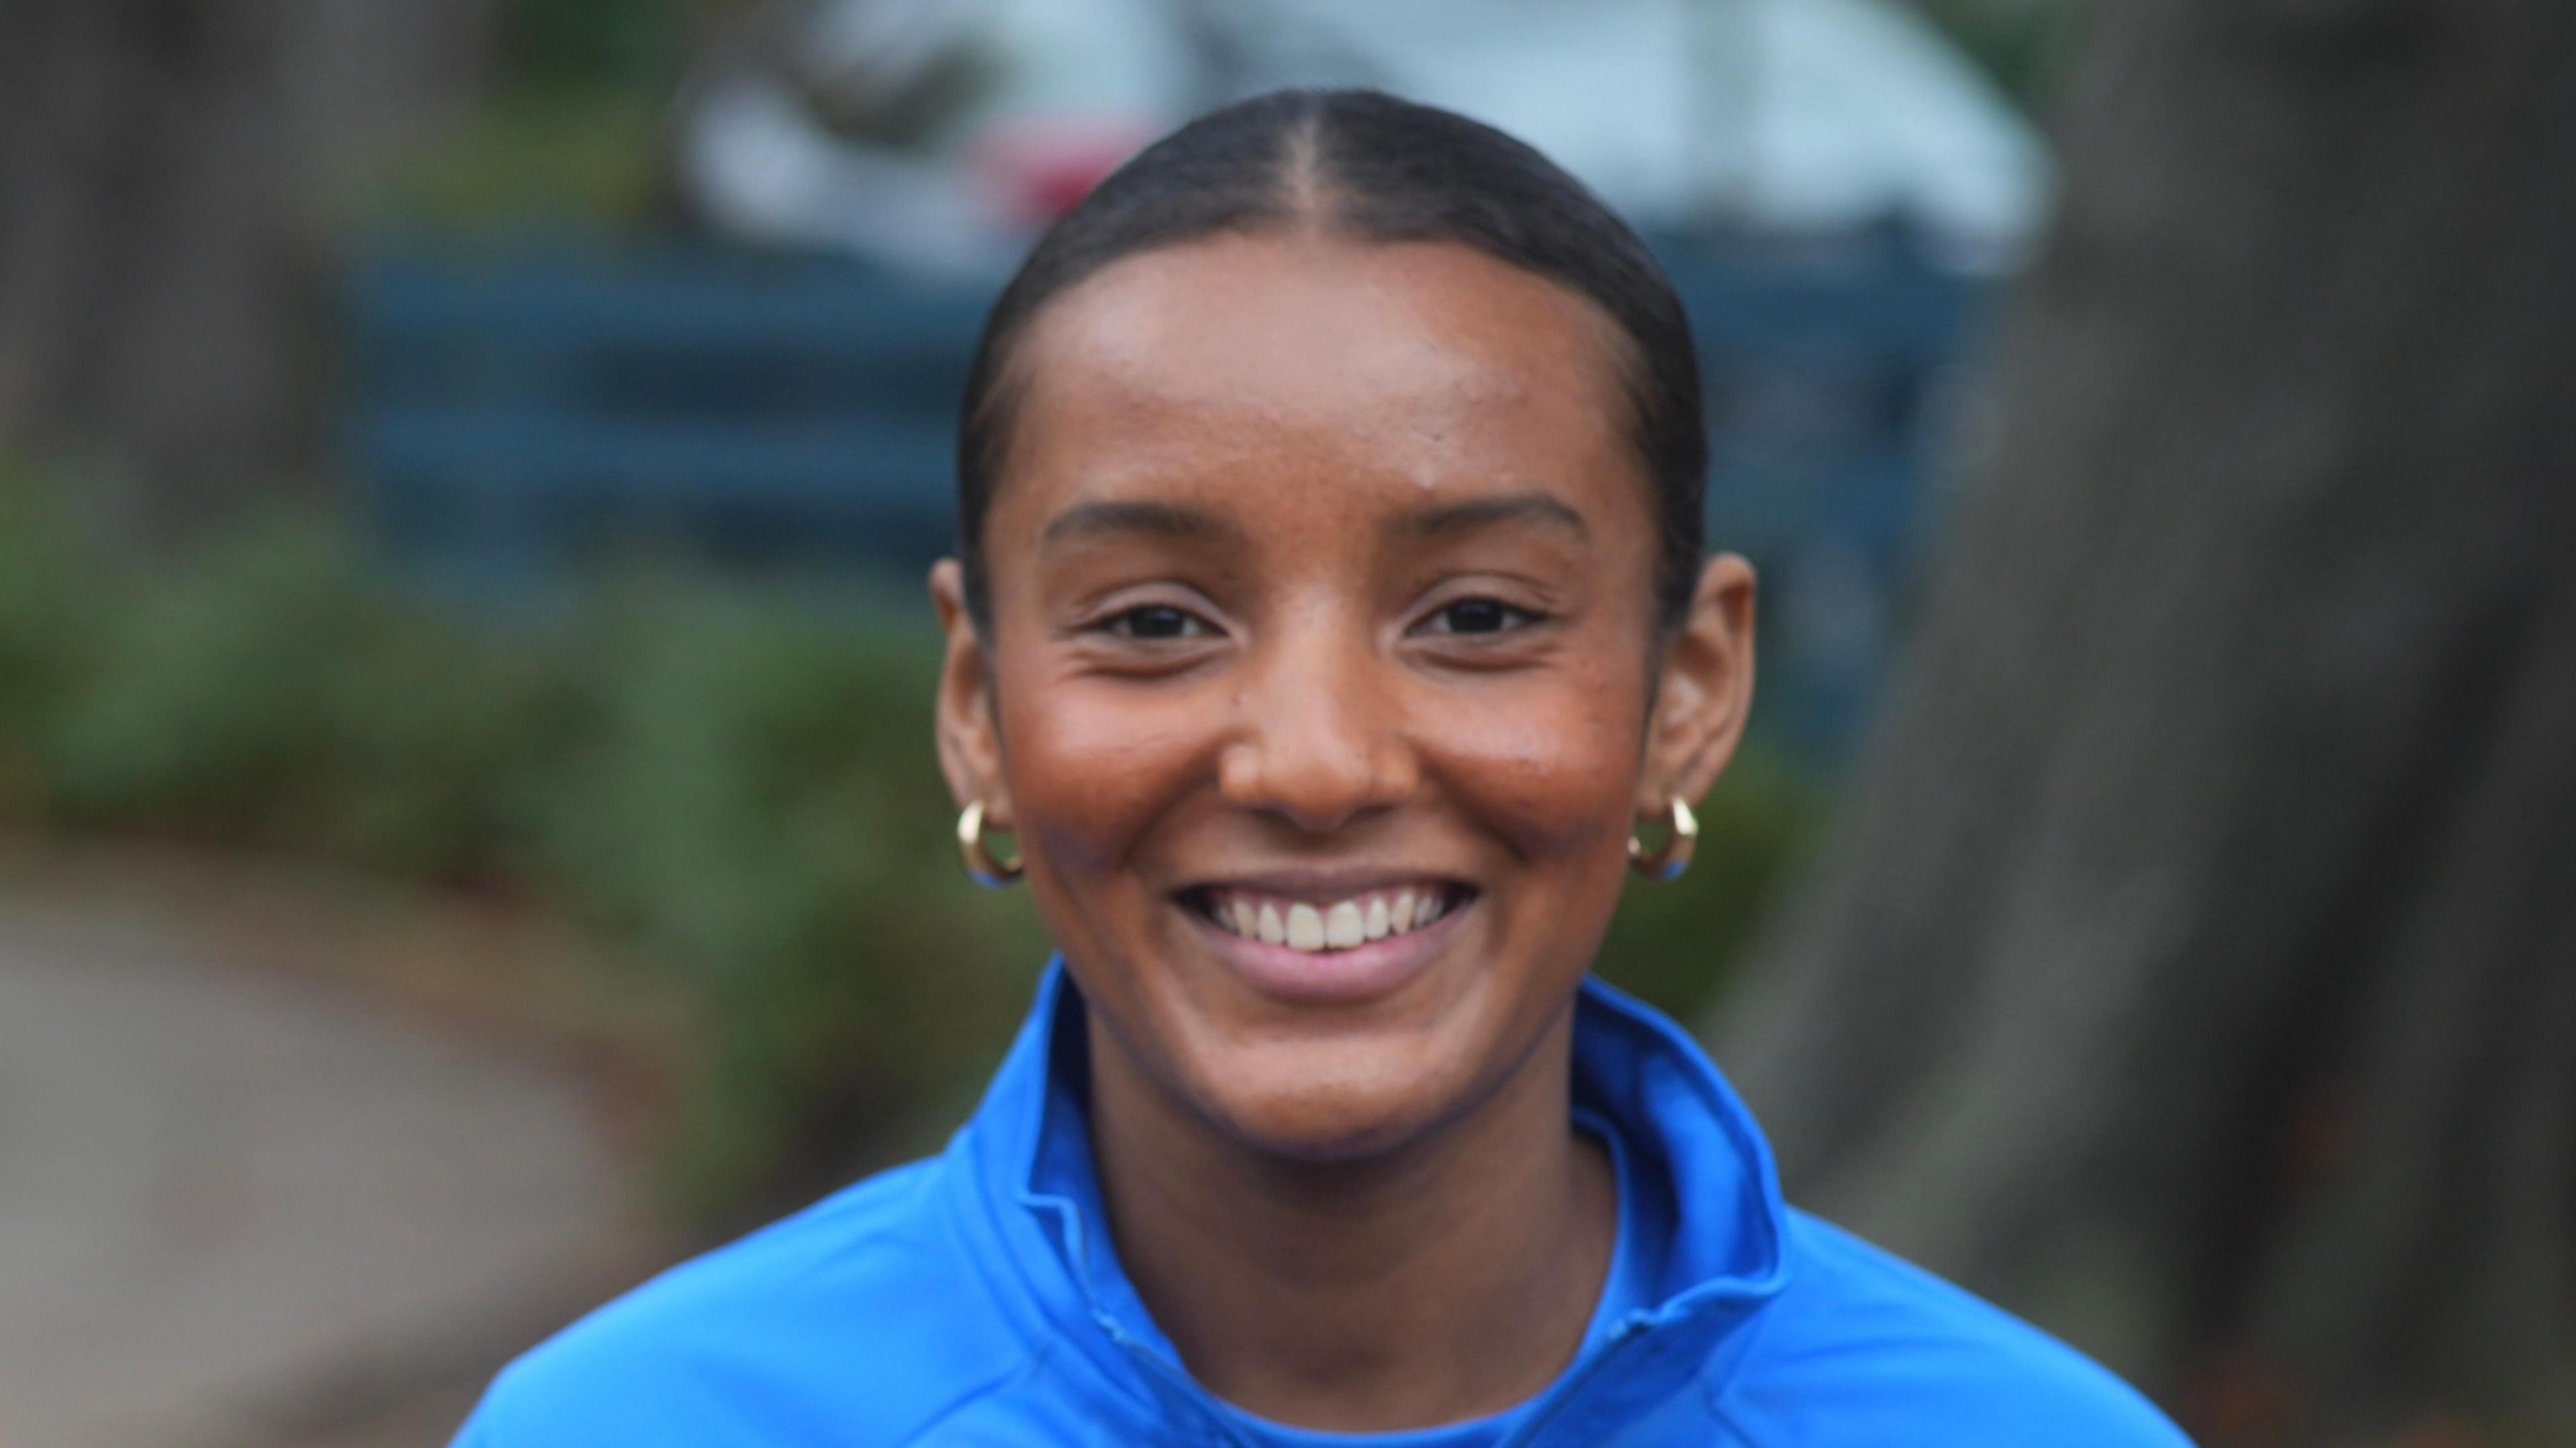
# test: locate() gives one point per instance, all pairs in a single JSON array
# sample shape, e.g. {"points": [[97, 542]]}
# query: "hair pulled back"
{"points": [[1367, 165]]}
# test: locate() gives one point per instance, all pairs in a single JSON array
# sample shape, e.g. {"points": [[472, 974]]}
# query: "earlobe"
{"points": [[969, 739], [1705, 689]]}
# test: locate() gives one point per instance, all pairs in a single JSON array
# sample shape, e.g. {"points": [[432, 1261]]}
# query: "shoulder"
{"points": [[755, 1341], [1903, 1356]]}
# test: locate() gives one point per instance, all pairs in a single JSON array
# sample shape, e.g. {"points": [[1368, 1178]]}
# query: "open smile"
{"points": [[1318, 947], [1335, 924]]}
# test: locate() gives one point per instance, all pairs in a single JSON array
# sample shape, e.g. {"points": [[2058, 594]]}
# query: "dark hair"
{"points": [[1368, 165]]}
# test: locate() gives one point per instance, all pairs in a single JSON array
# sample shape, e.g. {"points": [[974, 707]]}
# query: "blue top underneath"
{"points": [[975, 1298]]}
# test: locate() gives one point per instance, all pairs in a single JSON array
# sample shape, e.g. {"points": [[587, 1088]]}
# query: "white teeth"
{"points": [[1344, 926], [1305, 927], [1339, 925]]}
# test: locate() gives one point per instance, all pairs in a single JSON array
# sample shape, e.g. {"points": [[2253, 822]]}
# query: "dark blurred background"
{"points": [[468, 832]]}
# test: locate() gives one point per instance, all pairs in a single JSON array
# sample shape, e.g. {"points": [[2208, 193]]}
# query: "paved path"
{"points": [[223, 1191]]}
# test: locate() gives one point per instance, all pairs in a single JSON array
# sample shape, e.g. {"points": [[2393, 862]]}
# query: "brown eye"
{"points": [[1155, 623], [1478, 616]]}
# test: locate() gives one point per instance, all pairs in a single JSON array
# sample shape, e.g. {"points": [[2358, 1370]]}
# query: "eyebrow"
{"points": [[1474, 513], [1166, 520], [1172, 520]]}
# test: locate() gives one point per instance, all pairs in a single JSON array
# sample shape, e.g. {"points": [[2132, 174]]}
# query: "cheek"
{"points": [[1090, 768], [1551, 765]]}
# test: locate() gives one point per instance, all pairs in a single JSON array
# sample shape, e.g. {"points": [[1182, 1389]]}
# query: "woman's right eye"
{"points": [[1155, 623]]}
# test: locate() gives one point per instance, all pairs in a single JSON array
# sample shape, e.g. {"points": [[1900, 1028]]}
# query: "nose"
{"points": [[1320, 740]]}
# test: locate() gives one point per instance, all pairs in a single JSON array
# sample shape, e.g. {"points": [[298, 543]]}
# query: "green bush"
{"points": [[754, 801], [560, 45], [738, 785], [53, 608], [258, 692], [572, 128], [2023, 45]]}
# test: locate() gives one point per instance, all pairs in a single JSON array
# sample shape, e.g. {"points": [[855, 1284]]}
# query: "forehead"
{"points": [[1298, 357]]}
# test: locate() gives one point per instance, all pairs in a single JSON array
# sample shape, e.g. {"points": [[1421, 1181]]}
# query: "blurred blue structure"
{"points": [[519, 411], [1834, 377]]}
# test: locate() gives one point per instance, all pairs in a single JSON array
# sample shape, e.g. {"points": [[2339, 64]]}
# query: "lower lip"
{"points": [[1332, 977]]}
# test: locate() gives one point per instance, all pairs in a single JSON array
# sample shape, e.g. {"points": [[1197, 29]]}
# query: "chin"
{"points": [[1347, 1107]]}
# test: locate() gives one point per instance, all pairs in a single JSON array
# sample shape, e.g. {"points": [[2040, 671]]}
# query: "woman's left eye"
{"points": [[1478, 616], [1154, 623]]}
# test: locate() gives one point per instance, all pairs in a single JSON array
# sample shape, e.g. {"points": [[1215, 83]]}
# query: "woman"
{"points": [[1330, 627]]}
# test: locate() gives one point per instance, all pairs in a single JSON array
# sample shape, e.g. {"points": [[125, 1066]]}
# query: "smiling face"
{"points": [[1322, 646]]}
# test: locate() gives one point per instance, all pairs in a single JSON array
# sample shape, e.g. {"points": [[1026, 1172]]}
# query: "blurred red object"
{"points": [[1036, 169]]}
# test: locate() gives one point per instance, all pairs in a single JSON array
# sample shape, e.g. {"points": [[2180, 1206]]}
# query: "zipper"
{"points": [[1213, 1428], [1544, 1417]]}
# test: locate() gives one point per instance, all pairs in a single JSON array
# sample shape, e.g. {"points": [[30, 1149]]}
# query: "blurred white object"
{"points": [[757, 165], [940, 133]]}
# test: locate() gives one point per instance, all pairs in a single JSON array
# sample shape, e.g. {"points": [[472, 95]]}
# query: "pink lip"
{"points": [[1338, 977]]}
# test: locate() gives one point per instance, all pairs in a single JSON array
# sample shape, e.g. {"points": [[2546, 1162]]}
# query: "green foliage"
{"points": [[590, 44], [572, 128], [2022, 44], [52, 607], [258, 692], [579, 158], [756, 802], [739, 786]]}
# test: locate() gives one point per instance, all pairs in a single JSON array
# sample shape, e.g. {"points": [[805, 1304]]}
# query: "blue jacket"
{"points": [[968, 1299]]}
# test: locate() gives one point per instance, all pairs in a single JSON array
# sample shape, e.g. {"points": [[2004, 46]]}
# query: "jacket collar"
{"points": [[1028, 1186]]}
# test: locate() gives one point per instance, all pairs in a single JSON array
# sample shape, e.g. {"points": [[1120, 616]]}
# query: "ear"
{"points": [[970, 738], [1704, 689]]}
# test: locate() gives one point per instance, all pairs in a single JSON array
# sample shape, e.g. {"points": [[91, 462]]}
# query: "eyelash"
{"points": [[1516, 618], [1111, 625]]}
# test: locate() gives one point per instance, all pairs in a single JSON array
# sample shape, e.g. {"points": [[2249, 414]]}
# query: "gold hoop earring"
{"points": [[1667, 860], [982, 866]]}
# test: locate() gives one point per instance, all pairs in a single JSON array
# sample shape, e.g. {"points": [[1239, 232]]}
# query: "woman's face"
{"points": [[1317, 687]]}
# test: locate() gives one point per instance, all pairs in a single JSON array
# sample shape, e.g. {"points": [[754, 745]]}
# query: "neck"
{"points": [[1446, 1280]]}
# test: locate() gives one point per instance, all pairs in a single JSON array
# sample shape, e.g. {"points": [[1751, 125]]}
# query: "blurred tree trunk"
{"points": [[2196, 966], [168, 173]]}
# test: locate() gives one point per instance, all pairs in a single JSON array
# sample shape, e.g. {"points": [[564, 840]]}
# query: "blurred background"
{"points": [[468, 834]]}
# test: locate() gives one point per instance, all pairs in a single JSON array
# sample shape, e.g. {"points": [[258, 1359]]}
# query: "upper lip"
{"points": [[1324, 884]]}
